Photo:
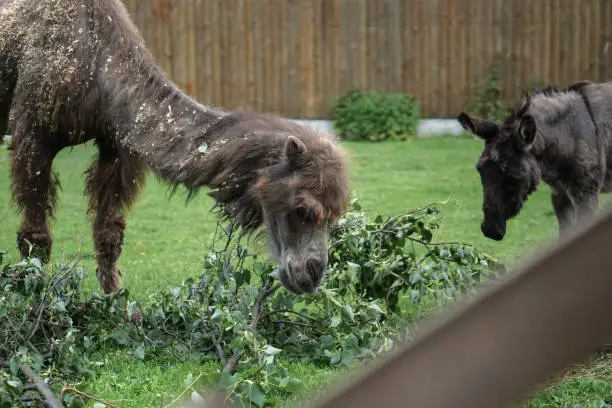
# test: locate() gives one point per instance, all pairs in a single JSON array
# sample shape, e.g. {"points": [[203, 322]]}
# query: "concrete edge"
{"points": [[427, 127]]}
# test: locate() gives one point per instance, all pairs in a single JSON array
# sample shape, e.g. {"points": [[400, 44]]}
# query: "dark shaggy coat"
{"points": [[561, 137]]}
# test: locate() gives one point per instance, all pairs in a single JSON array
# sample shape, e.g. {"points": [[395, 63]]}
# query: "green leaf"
{"points": [[291, 385], [374, 307], [255, 394], [270, 350], [14, 383], [139, 353], [335, 321], [347, 312]]}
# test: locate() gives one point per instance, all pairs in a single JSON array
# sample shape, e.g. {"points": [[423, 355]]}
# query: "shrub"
{"points": [[375, 116], [235, 312], [487, 102]]}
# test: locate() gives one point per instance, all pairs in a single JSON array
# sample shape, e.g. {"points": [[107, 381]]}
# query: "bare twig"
{"points": [[42, 388], [67, 388], [273, 312], [184, 391], [42, 305], [256, 314], [289, 322]]}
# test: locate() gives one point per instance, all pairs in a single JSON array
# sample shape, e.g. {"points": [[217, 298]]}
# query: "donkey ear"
{"points": [[295, 149], [527, 131], [482, 128]]}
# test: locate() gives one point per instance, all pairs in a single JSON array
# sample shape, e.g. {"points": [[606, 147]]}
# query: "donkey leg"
{"points": [[564, 210], [587, 205], [34, 192], [113, 182]]}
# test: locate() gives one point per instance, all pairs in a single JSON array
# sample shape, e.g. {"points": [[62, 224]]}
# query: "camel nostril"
{"points": [[315, 269]]}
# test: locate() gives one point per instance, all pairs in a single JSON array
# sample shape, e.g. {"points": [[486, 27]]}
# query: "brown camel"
{"points": [[77, 70]]}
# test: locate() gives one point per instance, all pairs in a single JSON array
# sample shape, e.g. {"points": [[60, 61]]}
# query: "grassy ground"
{"points": [[166, 240]]}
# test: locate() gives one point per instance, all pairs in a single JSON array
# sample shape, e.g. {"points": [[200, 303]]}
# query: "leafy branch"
{"points": [[235, 312]]}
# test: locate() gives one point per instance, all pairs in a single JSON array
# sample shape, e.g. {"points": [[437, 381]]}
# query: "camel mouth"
{"points": [[287, 282]]}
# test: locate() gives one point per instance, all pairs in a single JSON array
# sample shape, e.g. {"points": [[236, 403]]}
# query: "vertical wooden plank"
{"points": [[278, 77], [536, 39], [192, 71], [447, 30], [427, 68], [548, 41], [565, 42], [203, 51], [556, 62], [259, 52], [267, 51], [178, 40], [248, 57], [473, 54], [583, 11], [216, 56], [410, 46], [291, 92], [527, 29], [484, 53], [605, 49], [360, 22], [333, 83], [352, 66], [284, 68], [164, 41], [460, 57], [306, 106], [493, 44], [435, 44], [238, 56], [222, 9], [151, 38], [370, 48], [594, 32], [323, 107], [518, 65], [394, 48], [507, 79], [578, 41], [295, 95], [381, 55]]}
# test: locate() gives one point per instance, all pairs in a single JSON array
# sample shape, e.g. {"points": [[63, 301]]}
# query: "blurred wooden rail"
{"points": [[294, 57], [491, 351]]}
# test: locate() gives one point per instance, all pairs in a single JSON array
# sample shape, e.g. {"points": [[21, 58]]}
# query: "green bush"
{"points": [[375, 116]]}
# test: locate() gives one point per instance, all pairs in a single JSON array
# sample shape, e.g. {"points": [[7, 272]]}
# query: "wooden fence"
{"points": [[293, 57]]}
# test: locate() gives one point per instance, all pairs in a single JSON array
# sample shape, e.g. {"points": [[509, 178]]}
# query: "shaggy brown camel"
{"points": [[76, 70]]}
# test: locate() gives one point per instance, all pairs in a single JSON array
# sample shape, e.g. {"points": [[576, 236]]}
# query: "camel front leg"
{"points": [[34, 192], [113, 182]]}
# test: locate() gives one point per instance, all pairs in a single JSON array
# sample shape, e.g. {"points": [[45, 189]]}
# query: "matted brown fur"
{"points": [[76, 70]]}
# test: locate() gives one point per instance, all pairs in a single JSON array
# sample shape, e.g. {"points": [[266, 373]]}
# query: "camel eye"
{"points": [[304, 216]]}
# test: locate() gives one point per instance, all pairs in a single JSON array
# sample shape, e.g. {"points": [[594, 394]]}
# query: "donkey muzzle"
{"points": [[495, 230]]}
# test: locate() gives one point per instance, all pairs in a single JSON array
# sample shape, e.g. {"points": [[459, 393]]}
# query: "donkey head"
{"points": [[507, 167], [300, 197]]}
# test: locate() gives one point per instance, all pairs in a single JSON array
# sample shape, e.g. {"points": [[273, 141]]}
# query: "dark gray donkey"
{"points": [[561, 137]]}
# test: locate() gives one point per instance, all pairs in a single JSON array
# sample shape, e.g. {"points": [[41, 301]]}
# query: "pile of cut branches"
{"points": [[235, 312]]}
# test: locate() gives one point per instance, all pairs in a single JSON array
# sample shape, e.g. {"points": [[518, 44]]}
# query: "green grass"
{"points": [[165, 242]]}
